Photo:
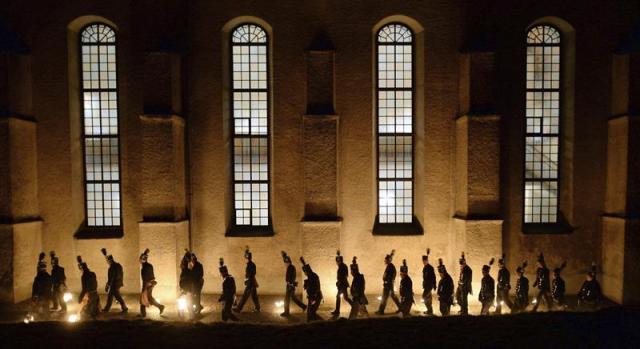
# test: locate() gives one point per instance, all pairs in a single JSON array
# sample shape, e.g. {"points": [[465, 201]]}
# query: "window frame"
{"points": [[395, 228], [104, 231], [559, 225], [249, 230]]}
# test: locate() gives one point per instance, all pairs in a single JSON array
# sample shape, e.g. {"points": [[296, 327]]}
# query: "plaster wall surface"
{"points": [[199, 31]]}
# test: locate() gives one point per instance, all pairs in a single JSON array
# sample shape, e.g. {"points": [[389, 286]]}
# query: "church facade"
{"points": [[483, 127]]}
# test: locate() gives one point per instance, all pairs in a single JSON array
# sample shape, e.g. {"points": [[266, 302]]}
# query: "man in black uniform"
{"points": [[406, 290], [342, 284], [359, 299], [388, 279], [504, 285], [250, 284], [290, 279], [115, 281], [487, 289], [148, 283], [228, 293], [41, 289], [428, 283], [185, 281], [464, 286], [314, 293], [590, 293], [543, 284], [522, 289], [58, 279], [196, 272], [445, 289], [558, 287], [89, 299]]}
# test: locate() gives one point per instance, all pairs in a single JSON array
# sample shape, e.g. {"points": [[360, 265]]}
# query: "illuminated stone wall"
{"points": [[173, 62]]}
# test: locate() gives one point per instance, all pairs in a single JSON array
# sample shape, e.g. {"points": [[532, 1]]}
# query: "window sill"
{"points": [[398, 229], [92, 233], [558, 228], [249, 231]]}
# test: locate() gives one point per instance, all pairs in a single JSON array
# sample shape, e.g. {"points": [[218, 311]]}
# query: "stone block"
{"points": [[163, 168], [320, 151], [20, 244], [477, 166]]}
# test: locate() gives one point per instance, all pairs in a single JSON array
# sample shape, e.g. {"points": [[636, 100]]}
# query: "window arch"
{"points": [[100, 126], [544, 85], [250, 125], [395, 99]]}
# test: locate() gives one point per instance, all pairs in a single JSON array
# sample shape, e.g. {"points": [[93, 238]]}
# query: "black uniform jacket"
{"points": [[428, 278]]}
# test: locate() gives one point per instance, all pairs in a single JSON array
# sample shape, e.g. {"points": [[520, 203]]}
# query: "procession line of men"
{"points": [[49, 289]]}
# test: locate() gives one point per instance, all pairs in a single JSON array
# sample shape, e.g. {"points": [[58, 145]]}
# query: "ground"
{"points": [[610, 327]]}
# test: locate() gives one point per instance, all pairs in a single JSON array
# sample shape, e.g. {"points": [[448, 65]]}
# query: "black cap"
{"points": [[285, 257], [462, 260], [426, 256], [108, 257], [222, 268], [592, 271], [522, 267], [81, 264], [145, 255], [389, 257], [441, 267], [354, 265], [404, 268], [42, 265], [54, 258], [247, 253], [339, 258], [502, 260], [305, 267]]}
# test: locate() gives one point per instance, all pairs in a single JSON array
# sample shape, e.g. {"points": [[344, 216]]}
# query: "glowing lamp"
{"points": [[379, 298], [67, 297], [73, 318], [534, 301], [501, 302], [279, 304], [29, 318], [182, 303]]}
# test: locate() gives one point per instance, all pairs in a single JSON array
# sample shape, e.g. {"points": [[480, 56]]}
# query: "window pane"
{"points": [[250, 125], [100, 125], [542, 150], [395, 97]]}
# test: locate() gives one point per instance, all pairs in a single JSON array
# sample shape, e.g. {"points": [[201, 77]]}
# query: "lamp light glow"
{"points": [[67, 297], [182, 303], [73, 318]]}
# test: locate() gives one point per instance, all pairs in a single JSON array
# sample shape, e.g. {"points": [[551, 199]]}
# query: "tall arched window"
{"points": [[250, 116], [100, 136], [394, 122], [542, 143]]}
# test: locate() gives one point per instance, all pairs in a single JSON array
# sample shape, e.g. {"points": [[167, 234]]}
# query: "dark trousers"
{"points": [[152, 301], [543, 295], [312, 310], [249, 290], [345, 294], [445, 307], [41, 308], [196, 296], [290, 295], [486, 305], [114, 293], [503, 296], [405, 307], [58, 298], [226, 312], [521, 303], [386, 293], [461, 297], [92, 307], [428, 301]]}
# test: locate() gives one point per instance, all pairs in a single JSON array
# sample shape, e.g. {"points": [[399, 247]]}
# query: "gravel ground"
{"points": [[612, 328]]}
